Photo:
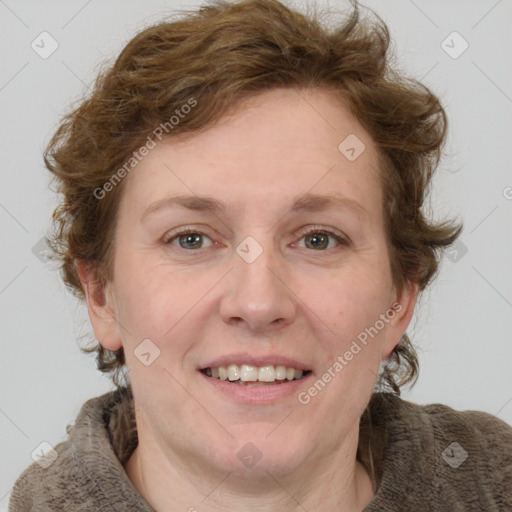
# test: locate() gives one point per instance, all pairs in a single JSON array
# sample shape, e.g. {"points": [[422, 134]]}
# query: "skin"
{"points": [[295, 300]]}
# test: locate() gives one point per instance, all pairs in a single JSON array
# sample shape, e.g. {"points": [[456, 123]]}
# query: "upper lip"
{"points": [[252, 360]]}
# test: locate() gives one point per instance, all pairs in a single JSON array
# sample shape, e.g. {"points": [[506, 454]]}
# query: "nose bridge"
{"points": [[258, 295]]}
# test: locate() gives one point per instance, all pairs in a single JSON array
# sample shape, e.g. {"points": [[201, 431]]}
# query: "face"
{"points": [[285, 265]]}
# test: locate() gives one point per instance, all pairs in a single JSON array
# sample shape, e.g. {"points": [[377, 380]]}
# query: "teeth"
{"points": [[280, 372], [267, 374], [249, 373], [233, 373]]}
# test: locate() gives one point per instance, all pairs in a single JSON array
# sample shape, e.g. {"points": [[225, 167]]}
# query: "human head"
{"points": [[211, 60]]}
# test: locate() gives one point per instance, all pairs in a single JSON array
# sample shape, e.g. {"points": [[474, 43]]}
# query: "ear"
{"points": [[101, 306], [403, 307]]}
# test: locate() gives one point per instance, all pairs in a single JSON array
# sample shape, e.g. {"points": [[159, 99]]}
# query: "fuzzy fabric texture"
{"points": [[414, 459]]}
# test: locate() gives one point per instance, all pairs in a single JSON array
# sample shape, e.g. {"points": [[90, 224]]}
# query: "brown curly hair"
{"points": [[218, 55]]}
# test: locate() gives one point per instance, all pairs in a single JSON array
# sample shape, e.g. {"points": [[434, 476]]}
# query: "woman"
{"points": [[242, 213]]}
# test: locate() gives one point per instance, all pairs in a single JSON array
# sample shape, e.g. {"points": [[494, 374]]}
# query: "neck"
{"points": [[331, 482]]}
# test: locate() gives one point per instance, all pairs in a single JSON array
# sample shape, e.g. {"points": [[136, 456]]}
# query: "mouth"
{"points": [[250, 375]]}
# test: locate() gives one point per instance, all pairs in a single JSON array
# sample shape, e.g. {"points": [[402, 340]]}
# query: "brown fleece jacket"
{"points": [[424, 457]]}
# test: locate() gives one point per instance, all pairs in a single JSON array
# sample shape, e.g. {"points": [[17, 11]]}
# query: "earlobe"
{"points": [[100, 306], [404, 309]]}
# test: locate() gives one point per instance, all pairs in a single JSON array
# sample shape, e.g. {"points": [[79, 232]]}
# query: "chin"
{"points": [[257, 450]]}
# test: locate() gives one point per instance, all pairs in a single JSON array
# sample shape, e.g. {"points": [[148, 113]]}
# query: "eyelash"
{"points": [[341, 239]]}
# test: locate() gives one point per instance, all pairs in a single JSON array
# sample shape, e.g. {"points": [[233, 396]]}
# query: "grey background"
{"points": [[462, 325]]}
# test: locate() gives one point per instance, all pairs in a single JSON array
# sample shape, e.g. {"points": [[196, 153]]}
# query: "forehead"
{"points": [[279, 144]]}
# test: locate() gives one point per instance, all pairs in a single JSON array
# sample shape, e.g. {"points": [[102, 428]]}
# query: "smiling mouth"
{"points": [[248, 375]]}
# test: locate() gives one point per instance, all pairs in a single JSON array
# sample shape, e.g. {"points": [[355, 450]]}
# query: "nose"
{"points": [[257, 294]]}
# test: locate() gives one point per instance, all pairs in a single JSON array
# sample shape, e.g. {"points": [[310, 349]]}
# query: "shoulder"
{"points": [[476, 428], [480, 434], [392, 406], [66, 477], [43, 478], [452, 458]]}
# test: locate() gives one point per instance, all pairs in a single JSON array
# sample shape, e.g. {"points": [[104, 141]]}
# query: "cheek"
{"points": [[350, 304], [354, 295], [155, 301]]}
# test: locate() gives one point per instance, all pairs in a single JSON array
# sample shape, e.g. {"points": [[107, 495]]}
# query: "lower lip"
{"points": [[257, 394]]}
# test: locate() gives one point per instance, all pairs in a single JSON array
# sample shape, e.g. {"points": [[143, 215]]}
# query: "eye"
{"points": [[316, 237], [187, 239], [319, 238]]}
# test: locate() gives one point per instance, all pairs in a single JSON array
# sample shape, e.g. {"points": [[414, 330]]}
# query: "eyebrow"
{"points": [[307, 203]]}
